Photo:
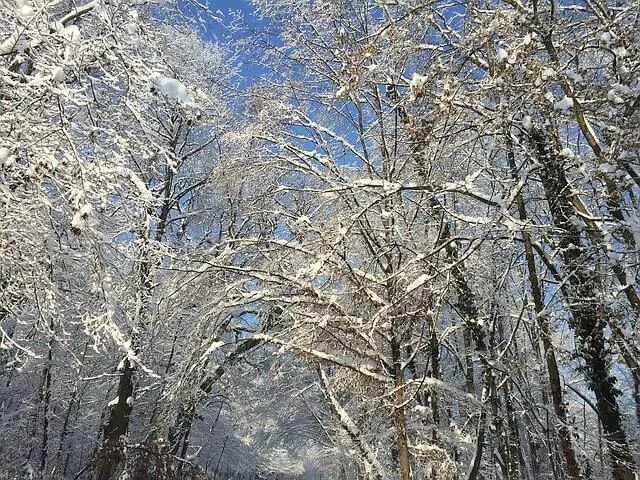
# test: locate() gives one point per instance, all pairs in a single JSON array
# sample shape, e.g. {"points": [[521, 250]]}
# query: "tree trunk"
{"points": [[404, 459], [559, 406], [46, 398], [589, 317], [117, 425]]}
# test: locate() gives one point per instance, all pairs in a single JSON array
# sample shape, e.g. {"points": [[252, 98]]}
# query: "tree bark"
{"points": [[555, 386], [589, 317], [117, 425], [404, 459]]}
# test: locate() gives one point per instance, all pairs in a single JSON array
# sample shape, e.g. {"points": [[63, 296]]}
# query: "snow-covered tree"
{"points": [[340, 239]]}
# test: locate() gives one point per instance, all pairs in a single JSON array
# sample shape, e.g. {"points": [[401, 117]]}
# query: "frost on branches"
{"points": [[351, 240]]}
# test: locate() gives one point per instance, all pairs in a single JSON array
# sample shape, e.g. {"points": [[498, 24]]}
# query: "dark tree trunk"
{"points": [[117, 425], [46, 399], [404, 459], [589, 317], [555, 386]]}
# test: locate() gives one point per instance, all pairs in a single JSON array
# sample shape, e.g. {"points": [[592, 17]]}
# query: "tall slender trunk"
{"points": [[555, 386], [119, 414], [469, 375], [631, 359], [435, 370], [511, 435], [589, 317], [473, 332], [400, 423], [389, 266], [46, 400], [476, 462]]}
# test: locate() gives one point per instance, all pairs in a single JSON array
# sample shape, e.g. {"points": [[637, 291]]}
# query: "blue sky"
{"points": [[212, 26], [220, 12]]}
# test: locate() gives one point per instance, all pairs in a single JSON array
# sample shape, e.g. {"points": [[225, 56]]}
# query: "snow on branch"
{"points": [[372, 466], [365, 368]]}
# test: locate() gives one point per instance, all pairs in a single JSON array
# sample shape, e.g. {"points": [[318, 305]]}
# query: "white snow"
{"points": [[171, 87], [620, 52], [420, 410], [527, 123], [374, 297], [416, 85], [212, 348], [130, 28], [145, 193], [342, 91], [26, 12], [387, 187], [617, 92], [417, 81], [5, 153], [85, 210], [80, 217], [574, 76], [72, 37], [607, 168], [57, 74], [567, 153], [15, 43], [502, 55], [24, 9], [418, 282], [548, 73], [622, 89], [564, 104], [613, 96], [526, 40]]}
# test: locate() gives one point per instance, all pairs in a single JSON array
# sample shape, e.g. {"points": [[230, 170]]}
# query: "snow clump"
{"points": [[5, 153], [547, 73], [57, 74], [24, 9], [79, 219], [565, 104], [417, 85], [171, 87], [72, 36], [502, 55], [15, 43], [617, 92]]}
